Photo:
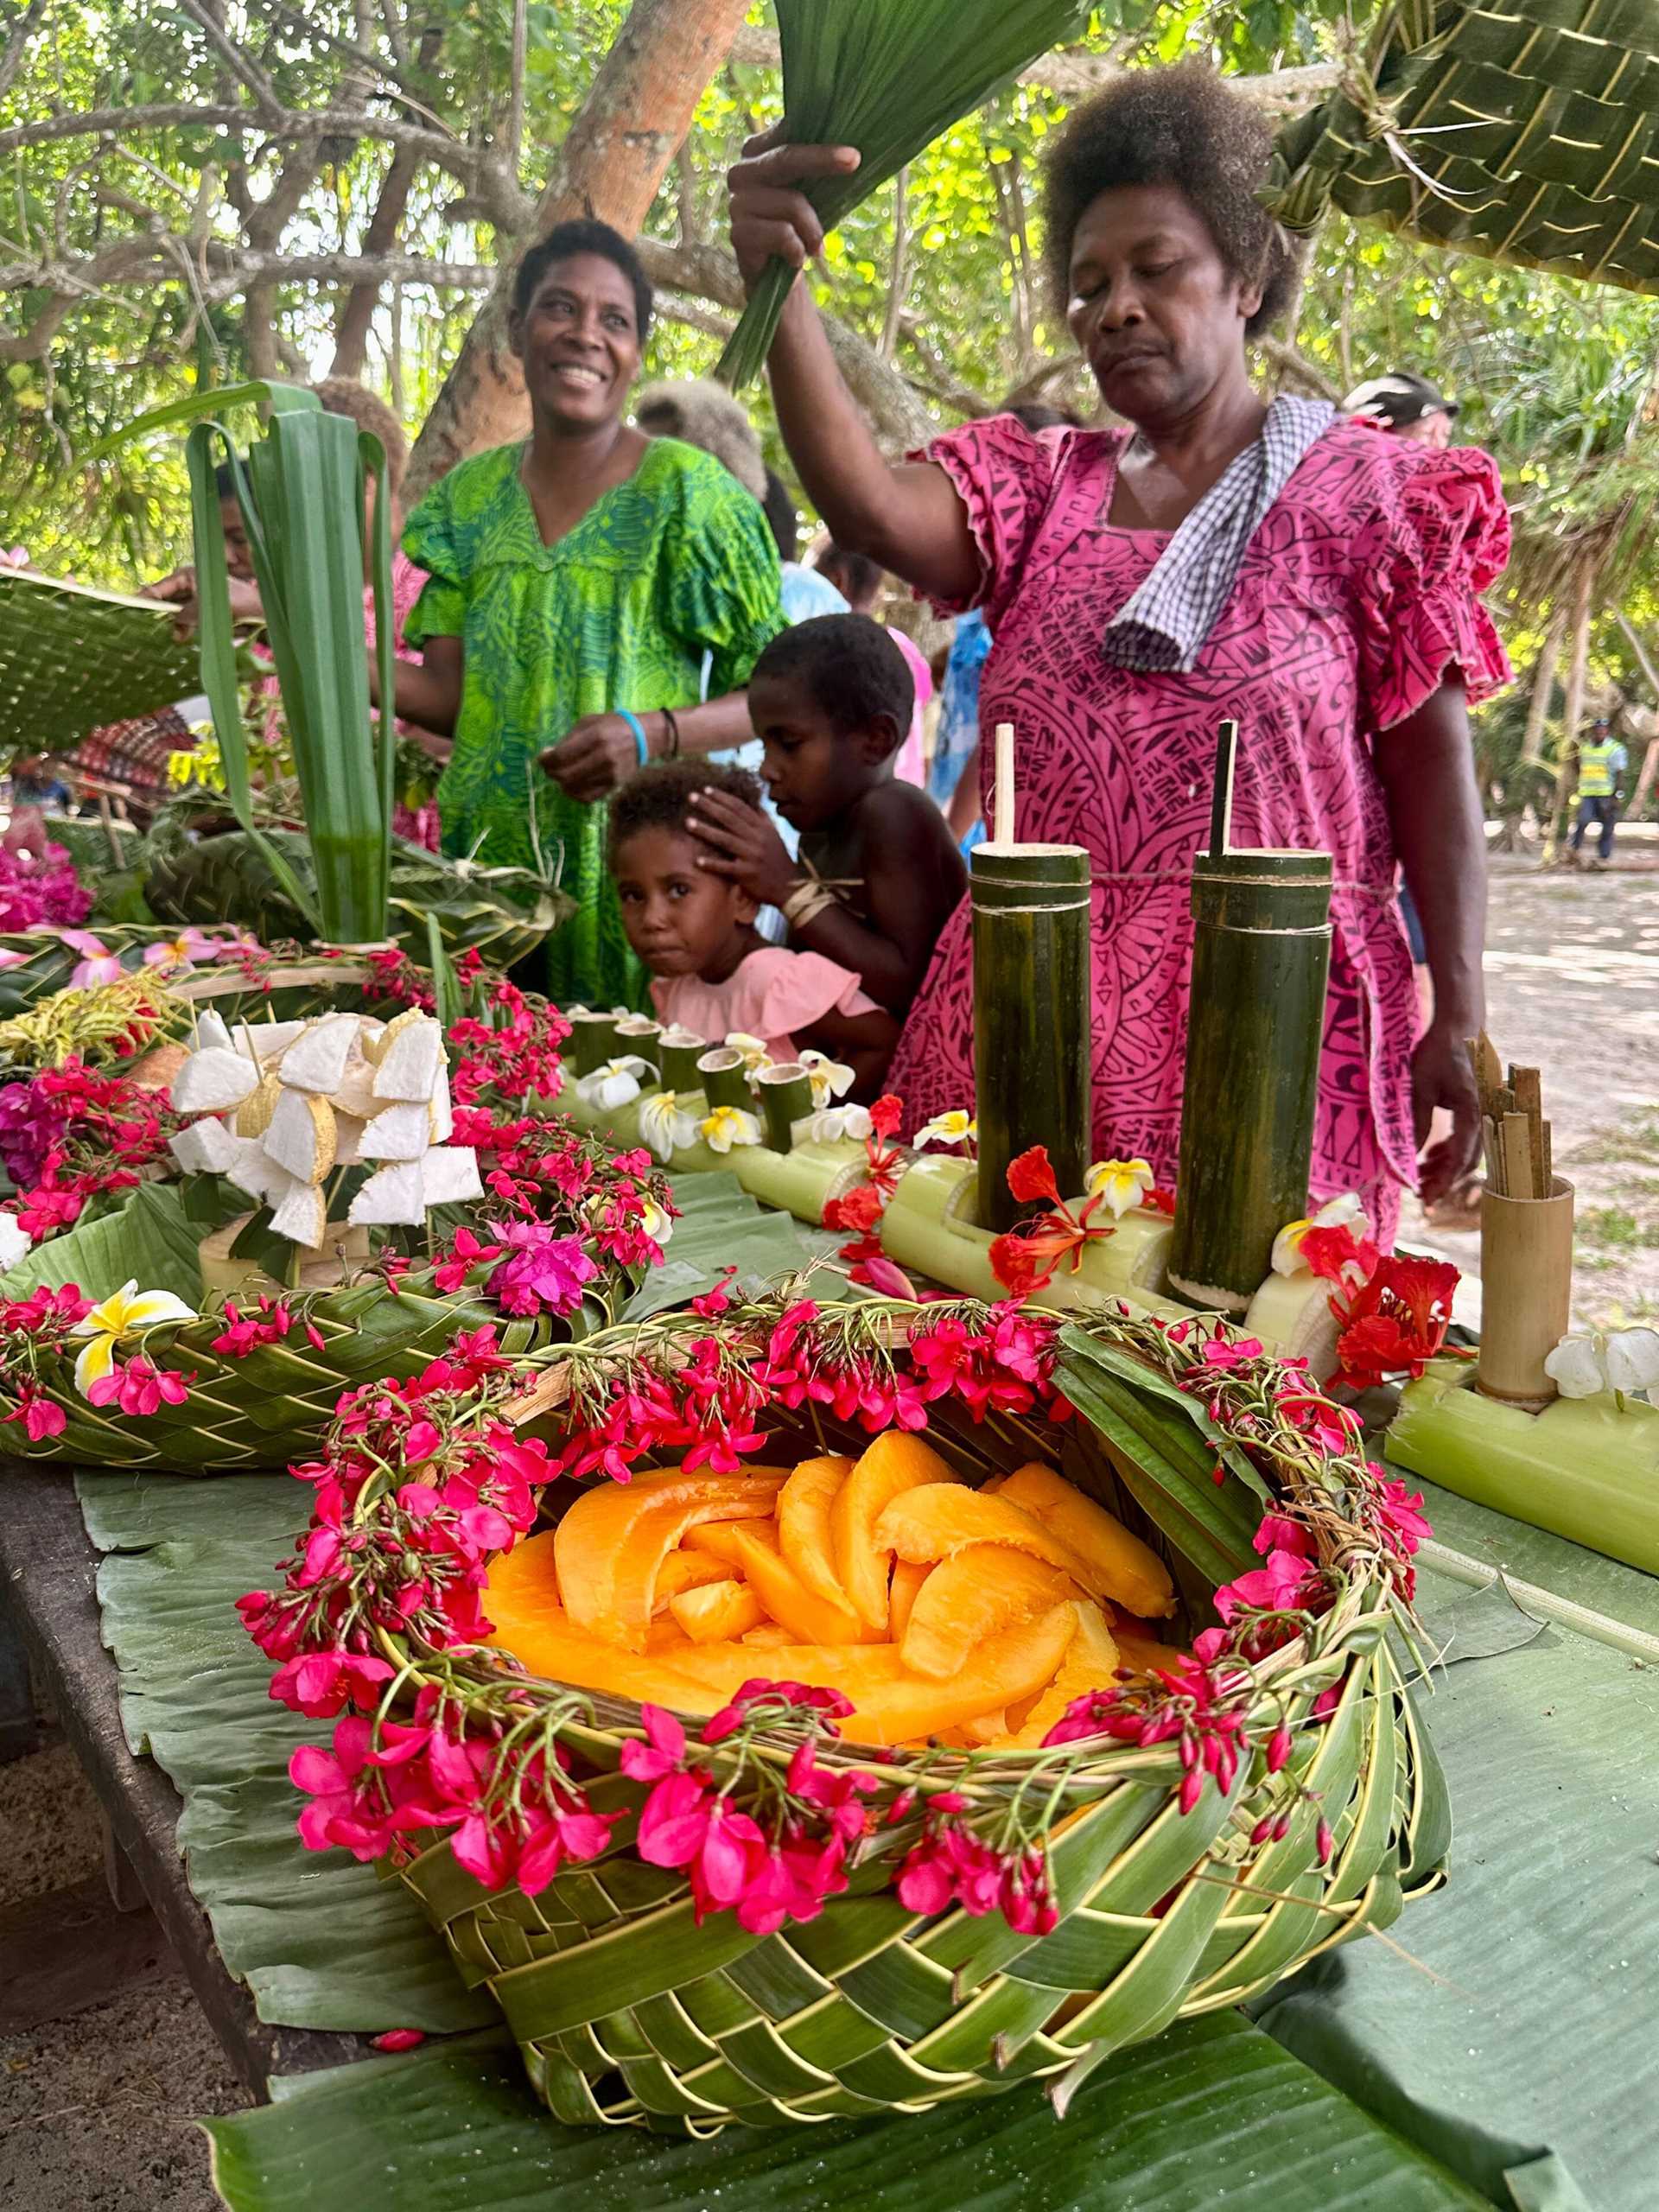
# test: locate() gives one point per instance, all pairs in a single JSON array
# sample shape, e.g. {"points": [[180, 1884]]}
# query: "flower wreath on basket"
{"points": [[740, 1914]]}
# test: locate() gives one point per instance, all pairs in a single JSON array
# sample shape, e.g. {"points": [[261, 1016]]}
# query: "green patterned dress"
{"points": [[673, 564]]}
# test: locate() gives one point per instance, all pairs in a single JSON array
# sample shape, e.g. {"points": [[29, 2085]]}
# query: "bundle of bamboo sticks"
{"points": [[1513, 1129]]}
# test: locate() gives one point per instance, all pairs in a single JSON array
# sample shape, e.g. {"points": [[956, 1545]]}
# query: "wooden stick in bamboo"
{"points": [[1549, 1158], [1528, 1098], [1221, 797], [1002, 816], [1517, 1157], [1494, 1157]]}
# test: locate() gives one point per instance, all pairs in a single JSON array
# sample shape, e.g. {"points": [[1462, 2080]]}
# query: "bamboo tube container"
{"points": [[1261, 957], [725, 1079], [785, 1095], [1526, 1276], [801, 1183], [1032, 1029], [679, 1051], [592, 1037], [637, 1035]]}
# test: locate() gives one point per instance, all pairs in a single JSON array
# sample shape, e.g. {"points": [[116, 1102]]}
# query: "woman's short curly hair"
{"points": [[1185, 127]]}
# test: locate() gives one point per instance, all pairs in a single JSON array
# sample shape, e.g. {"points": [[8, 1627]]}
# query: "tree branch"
{"points": [[357, 306], [898, 269], [240, 63], [17, 39], [1291, 363]]}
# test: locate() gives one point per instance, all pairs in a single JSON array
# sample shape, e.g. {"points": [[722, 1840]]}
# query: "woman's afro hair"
{"points": [[1184, 126]]}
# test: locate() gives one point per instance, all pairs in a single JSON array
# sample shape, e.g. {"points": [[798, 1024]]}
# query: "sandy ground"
{"points": [[95, 2110]]}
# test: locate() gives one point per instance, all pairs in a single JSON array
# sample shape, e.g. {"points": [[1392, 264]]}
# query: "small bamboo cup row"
{"points": [[1513, 1129]]}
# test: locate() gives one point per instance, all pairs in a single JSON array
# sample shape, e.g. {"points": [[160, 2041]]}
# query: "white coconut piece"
{"points": [[211, 1080], [205, 1148], [316, 1061], [302, 1216], [400, 1131], [252, 1116], [251, 1171], [211, 1031], [266, 1041], [375, 1042], [449, 1175], [1575, 1367], [443, 1113], [348, 1139], [394, 1195], [411, 1062], [301, 1138], [354, 1092]]}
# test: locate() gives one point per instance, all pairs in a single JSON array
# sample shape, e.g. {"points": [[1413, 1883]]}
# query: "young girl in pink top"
{"points": [[712, 972]]}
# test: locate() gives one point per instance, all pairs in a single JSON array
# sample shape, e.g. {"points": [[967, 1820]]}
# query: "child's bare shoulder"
{"points": [[895, 810]]}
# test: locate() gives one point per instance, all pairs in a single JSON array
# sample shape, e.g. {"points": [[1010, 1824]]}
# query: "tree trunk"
{"points": [[356, 308], [1566, 769], [637, 112], [1544, 685], [1645, 781]]}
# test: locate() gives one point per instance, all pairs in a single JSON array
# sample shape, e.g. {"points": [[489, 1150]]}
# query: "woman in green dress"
{"points": [[576, 583]]}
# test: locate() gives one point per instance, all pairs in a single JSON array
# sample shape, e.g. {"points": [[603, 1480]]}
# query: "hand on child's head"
{"points": [[742, 846]]}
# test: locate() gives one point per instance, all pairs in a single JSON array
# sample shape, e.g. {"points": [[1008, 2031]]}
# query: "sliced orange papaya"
{"points": [[908, 1576], [551, 1648], [788, 1600], [771, 1636], [1142, 1655], [976, 1593], [717, 1612], [894, 1462], [611, 1545], [937, 1520], [1091, 1663], [1120, 1566], [718, 1539], [804, 1533], [1005, 1668], [684, 1570]]}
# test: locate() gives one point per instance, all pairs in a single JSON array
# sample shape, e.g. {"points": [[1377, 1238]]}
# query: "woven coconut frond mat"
{"points": [[1527, 131], [73, 659], [1447, 2074]]}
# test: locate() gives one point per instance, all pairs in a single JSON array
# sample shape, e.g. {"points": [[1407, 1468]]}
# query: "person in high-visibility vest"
{"points": [[1602, 763]]}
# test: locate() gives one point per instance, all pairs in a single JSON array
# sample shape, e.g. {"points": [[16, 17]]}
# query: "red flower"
{"points": [[1395, 1323], [1027, 1258], [1032, 1177], [886, 1116]]}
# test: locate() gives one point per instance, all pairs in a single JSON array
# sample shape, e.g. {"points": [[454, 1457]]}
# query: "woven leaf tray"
{"points": [[72, 658], [1526, 132]]}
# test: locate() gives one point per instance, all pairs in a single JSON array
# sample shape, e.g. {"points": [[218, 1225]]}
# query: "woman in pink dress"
{"points": [[1323, 592]]}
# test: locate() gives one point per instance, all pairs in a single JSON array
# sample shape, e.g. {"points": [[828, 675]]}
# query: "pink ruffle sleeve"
{"points": [[773, 993], [1005, 476], [1439, 536]]}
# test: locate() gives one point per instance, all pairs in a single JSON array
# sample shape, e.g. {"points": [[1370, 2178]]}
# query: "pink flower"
{"points": [[1217, 1352], [140, 1387], [665, 1751], [545, 1274], [322, 1683]]}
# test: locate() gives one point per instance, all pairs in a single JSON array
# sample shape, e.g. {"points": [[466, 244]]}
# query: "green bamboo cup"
{"points": [[1261, 957], [592, 1037], [678, 1052], [1032, 1031], [725, 1079], [785, 1095]]}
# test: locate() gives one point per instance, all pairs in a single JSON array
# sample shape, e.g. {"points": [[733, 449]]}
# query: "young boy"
{"points": [[879, 873]]}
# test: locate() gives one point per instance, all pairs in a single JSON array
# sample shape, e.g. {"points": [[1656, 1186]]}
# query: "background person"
{"points": [[575, 581], [1327, 599], [1603, 762], [860, 579], [1409, 406]]}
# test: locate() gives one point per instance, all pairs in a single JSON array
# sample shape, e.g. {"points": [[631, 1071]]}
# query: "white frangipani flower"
{"points": [[754, 1049], [1624, 1360], [954, 1128], [616, 1083], [665, 1125], [1121, 1183], [15, 1241], [1344, 1213], [831, 1123], [727, 1126], [126, 1313], [831, 1078]]}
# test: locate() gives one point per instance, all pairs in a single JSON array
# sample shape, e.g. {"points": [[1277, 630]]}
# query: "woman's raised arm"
{"points": [[909, 516]]}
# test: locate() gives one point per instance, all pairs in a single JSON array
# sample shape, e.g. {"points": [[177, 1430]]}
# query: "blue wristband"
{"points": [[638, 729]]}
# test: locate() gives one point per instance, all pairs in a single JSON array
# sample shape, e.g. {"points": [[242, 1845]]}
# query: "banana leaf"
{"points": [[721, 1226], [501, 913], [150, 1237], [1213, 2114], [321, 1943]]}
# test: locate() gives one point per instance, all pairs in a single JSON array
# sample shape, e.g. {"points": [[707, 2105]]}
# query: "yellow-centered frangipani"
{"points": [[1122, 1184], [126, 1313]]}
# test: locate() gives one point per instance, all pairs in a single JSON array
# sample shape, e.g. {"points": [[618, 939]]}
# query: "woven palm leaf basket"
{"points": [[689, 1922]]}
